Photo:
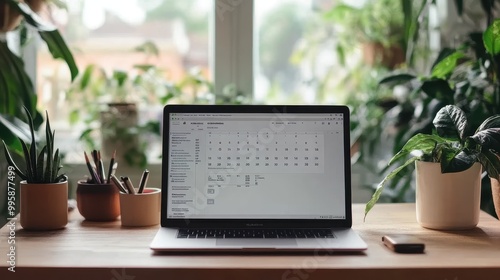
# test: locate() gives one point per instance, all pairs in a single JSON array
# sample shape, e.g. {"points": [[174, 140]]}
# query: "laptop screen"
{"points": [[255, 166]]}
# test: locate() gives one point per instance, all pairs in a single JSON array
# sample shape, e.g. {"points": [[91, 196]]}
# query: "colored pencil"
{"points": [[91, 169], [111, 163]]}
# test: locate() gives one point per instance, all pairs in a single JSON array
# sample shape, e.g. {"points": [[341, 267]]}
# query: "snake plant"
{"points": [[39, 167]]}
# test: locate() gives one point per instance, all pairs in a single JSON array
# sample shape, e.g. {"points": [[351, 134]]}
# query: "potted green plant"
{"points": [[451, 161], [44, 191], [377, 25], [17, 90]]}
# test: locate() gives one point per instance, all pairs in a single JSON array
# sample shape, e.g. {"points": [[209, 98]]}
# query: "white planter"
{"points": [[448, 201]]}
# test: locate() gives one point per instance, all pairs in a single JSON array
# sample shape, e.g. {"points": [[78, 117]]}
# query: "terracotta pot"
{"points": [[495, 191], [9, 18], [448, 201], [44, 206], [98, 202], [375, 53]]}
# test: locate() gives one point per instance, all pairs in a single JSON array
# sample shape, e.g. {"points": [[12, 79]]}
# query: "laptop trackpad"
{"points": [[242, 242]]}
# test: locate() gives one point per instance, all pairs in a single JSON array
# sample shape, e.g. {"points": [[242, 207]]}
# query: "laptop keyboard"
{"points": [[255, 233]]}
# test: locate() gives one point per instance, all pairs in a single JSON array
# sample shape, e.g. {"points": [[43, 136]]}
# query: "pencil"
{"points": [[128, 184], [111, 163], [118, 184], [144, 180], [91, 169], [101, 168]]}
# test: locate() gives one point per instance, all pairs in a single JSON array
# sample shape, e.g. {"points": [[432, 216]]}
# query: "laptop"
{"points": [[256, 178]]}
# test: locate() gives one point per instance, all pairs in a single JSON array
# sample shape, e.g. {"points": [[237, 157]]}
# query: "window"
{"points": [[106, 33]]}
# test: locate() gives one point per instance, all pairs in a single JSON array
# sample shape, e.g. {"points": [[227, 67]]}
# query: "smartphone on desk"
{"points": [[401, 243]]}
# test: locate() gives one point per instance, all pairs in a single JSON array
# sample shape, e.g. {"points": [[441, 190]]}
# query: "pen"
{"points": [[118, 184], [144, 180], [128, 184]]}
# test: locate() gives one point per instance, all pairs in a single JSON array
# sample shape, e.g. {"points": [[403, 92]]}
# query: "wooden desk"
{"points": [[87, 250]]}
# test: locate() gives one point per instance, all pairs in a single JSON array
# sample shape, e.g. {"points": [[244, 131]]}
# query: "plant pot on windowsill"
{"points": [[117, 130], [374, 53]]}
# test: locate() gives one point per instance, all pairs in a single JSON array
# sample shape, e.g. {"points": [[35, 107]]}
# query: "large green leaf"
{"points": [[491, 38], [397, 79], [446, 66], [438, 89], [451, 122], [491, 122], [489, 139], [11, 129], [456, 162], [420, 142], [15, 84], [491, 163], [56, 44]]}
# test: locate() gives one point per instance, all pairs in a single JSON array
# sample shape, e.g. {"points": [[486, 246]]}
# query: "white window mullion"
{"points": [[233, 45]]}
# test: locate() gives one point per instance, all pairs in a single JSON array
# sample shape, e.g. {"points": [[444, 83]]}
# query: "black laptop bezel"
{"points": [[256, 223]]}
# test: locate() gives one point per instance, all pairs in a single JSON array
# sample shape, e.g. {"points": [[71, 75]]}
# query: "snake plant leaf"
{"points": [[451, 122], [29, 166], [49, 137], [491, 38], [446, 66], [40, 161], [12, 163], [56, 166], [32, 157]]}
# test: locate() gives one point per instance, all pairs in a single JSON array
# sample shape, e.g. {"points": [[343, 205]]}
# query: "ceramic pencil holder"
{"points": [[98, 202], [142, 209]]}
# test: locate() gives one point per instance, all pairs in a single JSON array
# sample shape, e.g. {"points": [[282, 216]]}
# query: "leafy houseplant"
{"points": [[377, 25], [466, 76], [453, 146], [42, 183], [16, 88]]}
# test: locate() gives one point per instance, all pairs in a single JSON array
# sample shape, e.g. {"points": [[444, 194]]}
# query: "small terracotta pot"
{"points": [[98, 202], [495, 191], [44, 206]]}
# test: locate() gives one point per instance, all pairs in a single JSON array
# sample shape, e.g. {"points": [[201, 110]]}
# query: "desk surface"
{"points": [[108, 251]]}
